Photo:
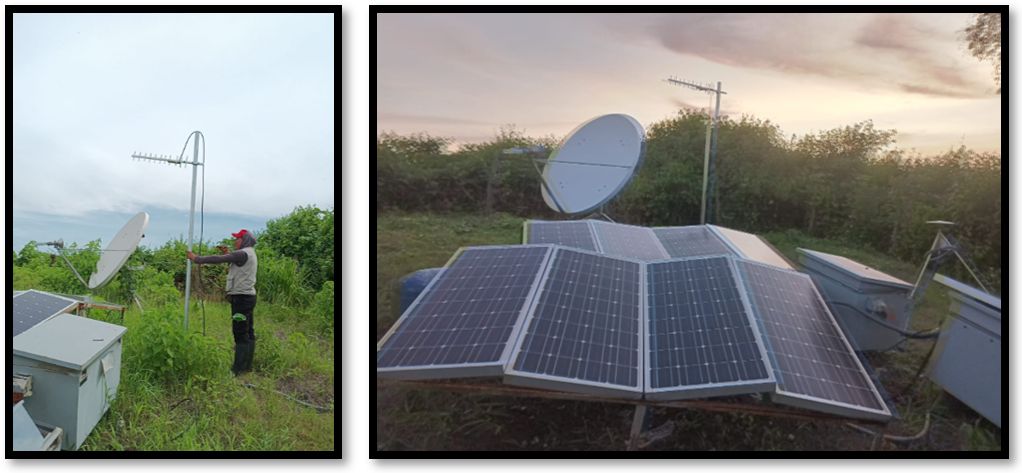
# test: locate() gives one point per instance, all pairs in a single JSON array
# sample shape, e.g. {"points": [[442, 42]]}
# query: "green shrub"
{"points": [[269, 356], [161, 349], [279, 280], [322, 307]]}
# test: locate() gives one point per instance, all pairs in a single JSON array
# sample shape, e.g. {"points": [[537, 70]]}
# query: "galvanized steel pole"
{"points": [[191, 226], [712, 178], [710, 152]]}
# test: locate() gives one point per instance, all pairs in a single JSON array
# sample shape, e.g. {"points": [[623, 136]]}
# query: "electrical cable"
{"points": [[932, 333], [299, 401]]}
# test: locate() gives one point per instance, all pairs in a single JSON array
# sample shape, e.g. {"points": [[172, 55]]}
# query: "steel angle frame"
{"points": [[751, 386], [649, 231], [462, 370], [515, 377], [829, 406], [715, 235]]}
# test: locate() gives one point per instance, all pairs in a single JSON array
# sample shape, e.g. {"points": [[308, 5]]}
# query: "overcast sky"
{"points": [[90, 89], [465, 75]]}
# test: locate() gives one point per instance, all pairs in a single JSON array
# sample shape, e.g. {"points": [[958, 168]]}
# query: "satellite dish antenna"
{"points": [[119, 250], [593, 164]]}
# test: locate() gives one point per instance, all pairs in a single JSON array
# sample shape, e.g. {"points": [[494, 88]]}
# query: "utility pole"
{"points": [[710, 152], [191, 213]]}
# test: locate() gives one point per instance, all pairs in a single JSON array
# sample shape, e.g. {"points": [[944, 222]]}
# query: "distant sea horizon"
{"points": [[164, 225]]}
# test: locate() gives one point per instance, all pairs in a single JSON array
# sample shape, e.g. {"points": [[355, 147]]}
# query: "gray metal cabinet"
{"points": [[75, 364], [967, 360], [863, 298]]}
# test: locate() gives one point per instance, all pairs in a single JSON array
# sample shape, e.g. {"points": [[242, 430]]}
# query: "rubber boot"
{"points": [[240, 352], [249, 354]]}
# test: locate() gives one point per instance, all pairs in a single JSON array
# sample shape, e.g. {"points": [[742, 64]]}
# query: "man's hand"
{"points": [[222, 249], [191, 256]]}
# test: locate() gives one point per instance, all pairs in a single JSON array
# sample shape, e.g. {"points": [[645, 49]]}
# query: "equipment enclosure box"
{"points": [[967, 360], [75, 364], [867, 290]]}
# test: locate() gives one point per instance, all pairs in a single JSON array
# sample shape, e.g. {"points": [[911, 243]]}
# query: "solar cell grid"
{"points": [[33, 307], [812, 359], [628, 241], [466, 316], [682, 242], [702, 340], [584, 332], [575, 234]]}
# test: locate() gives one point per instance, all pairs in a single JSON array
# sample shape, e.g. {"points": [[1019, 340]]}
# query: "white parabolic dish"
{"points": [[593, 163], [119, 250]]}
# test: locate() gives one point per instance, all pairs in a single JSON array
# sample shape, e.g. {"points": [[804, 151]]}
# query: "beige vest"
{"points": [[242, 279]]}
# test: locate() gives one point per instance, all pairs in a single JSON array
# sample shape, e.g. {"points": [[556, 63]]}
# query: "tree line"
{"points": [[849, 183]]}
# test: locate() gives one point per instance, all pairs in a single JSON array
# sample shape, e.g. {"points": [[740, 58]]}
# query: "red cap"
{"points": [[240, 234]]}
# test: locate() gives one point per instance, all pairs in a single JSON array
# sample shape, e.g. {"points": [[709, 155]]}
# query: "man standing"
{"points": [[241, 293]]}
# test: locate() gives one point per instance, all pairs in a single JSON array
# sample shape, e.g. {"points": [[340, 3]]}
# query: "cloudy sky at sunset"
{"points": [[463, 76]]}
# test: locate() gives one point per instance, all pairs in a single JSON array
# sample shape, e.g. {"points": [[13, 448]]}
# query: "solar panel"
{"points": [[814, 364], [462, 322], [751, 247], [584, 333], [628, 241], [33, 307], [576, 233], [703, 340], [683, 242]]}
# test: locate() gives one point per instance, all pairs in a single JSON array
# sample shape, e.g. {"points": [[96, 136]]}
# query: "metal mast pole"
{"points": [[191, 226], [709, 174], [706, 169], [191, 213], [712, 178]]}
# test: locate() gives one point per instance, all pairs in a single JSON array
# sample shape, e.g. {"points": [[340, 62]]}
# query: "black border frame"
{"points": [[375, 10], [336, 11]]}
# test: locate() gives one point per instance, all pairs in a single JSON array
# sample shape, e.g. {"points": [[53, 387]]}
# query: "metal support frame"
{"points": [[642, 416], [944, 245], [545, 186]]}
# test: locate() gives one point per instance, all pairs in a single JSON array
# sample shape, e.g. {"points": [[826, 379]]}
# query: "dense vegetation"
{"points": [[850, 183], [176, 390]]}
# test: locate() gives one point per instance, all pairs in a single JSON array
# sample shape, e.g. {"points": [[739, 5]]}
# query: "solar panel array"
{"points": [[702, 338], [549, 316], [682, 242], [585, 329], [574, 233], [33, 307], [814, 364], [467, 315], [628, 241]]}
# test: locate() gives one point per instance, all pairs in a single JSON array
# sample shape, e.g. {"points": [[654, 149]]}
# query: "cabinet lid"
{"points": [[967, 290], [69, 341], [855, 269]]}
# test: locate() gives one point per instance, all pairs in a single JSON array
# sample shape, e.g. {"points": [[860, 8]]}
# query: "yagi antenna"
{"points": [[191, 215], [709, 169]]}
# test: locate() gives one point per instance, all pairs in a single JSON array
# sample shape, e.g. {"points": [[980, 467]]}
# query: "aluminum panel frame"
{"points": [[754, 386], [463, 370], [788, 398], [516, 377]]}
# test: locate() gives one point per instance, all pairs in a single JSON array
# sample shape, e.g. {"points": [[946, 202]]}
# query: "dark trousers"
{"points": [[244, 331]]}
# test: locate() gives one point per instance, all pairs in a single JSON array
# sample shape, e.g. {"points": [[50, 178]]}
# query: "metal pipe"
{"points": [[712, 178], [191, 226]]}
